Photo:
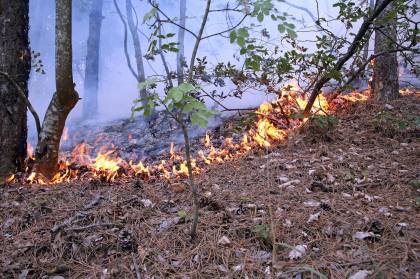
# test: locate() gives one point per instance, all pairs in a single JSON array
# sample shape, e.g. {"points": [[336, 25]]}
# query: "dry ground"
{"points": [[359, 181]]}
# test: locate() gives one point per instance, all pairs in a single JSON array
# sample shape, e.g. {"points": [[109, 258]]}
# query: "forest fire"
{"points": [[274, 123]]}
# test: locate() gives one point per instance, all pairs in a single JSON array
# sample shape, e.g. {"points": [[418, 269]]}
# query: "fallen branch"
{"points": [[92, 226], [25, 99], [350, 52], [80, 214]]}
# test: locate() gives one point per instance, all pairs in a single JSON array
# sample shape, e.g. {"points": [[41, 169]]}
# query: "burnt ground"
{"points": [[349, 195]]}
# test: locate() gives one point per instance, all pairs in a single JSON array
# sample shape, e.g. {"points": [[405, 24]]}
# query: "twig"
{"points": [[198, 40], [162, 55], [136, 266], [25, 99], [80, 214], [273, 236], [170, 20], [92, 226], [227, 30], [302, 9]]}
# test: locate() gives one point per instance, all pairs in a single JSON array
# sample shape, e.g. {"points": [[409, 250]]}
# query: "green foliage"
{"points": [[321, 126], [261, 231], [183, 215], [149, 15], [391, 125], [178, 100], [325, 122]]}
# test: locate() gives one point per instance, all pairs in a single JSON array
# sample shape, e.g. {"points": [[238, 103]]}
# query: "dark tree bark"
{"points": [[385, 69], [137, 48], [65, 97], [15, 61], [180, 58], [90, 102]]}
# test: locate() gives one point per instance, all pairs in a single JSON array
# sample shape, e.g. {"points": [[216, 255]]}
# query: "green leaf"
{"points": [[199, 119], [182, 214], [292, 34], [261, 231], [243, 32], [260, 17], [149, 15], [233, 36], [281, 28], [186, 87], [176, 94], [146, 84], [241, 41]]}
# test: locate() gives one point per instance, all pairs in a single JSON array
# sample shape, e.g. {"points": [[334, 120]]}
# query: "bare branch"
{"points": [[302, 9], [227, 30], [25, 99], [170, 20], [127, 55], [198, 40]]}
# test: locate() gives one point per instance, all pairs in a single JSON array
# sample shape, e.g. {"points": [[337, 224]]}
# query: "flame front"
{"points": [[274, 122]]}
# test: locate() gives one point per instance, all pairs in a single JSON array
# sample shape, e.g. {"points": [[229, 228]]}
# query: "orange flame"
{"points": [[270, 127]]}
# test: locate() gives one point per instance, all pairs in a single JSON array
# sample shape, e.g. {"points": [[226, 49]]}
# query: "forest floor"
{"points": [[340, 203]]}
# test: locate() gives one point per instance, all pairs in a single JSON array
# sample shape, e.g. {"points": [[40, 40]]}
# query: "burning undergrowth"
{"points": [[341, 208], [130, 149]]}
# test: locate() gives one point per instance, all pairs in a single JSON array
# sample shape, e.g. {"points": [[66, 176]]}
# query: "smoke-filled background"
{"points": [[117, 86]]}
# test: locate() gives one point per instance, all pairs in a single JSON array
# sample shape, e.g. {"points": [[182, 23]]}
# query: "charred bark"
{"points": [[385, 69], [180, 58], [65, 97], [90, 102], [15, 61]]}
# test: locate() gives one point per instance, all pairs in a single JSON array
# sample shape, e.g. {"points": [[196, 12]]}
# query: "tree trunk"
{"points": [[65, 97], [137, 48], [15, 60], [90, 102], [385, 70], [180, 58]]}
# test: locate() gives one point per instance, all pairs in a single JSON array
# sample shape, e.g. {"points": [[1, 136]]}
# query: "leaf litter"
{"points": [[99, 230]]}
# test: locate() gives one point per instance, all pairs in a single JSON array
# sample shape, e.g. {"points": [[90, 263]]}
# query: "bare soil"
{"points": [[349, 195]]}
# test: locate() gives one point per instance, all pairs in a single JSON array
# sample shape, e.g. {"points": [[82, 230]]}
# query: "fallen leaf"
{"points": [[168, 223], [224, 241], [364, 235], [361, 274], [297, 252], [237, 268], [147, 203], [313, 217], [311, 203]]}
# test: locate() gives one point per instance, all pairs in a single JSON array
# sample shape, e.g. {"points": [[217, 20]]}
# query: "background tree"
{"points": [[132, 23], [65, 97], [385, 71], [180, 58], [90, 103], [15, 62]]}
